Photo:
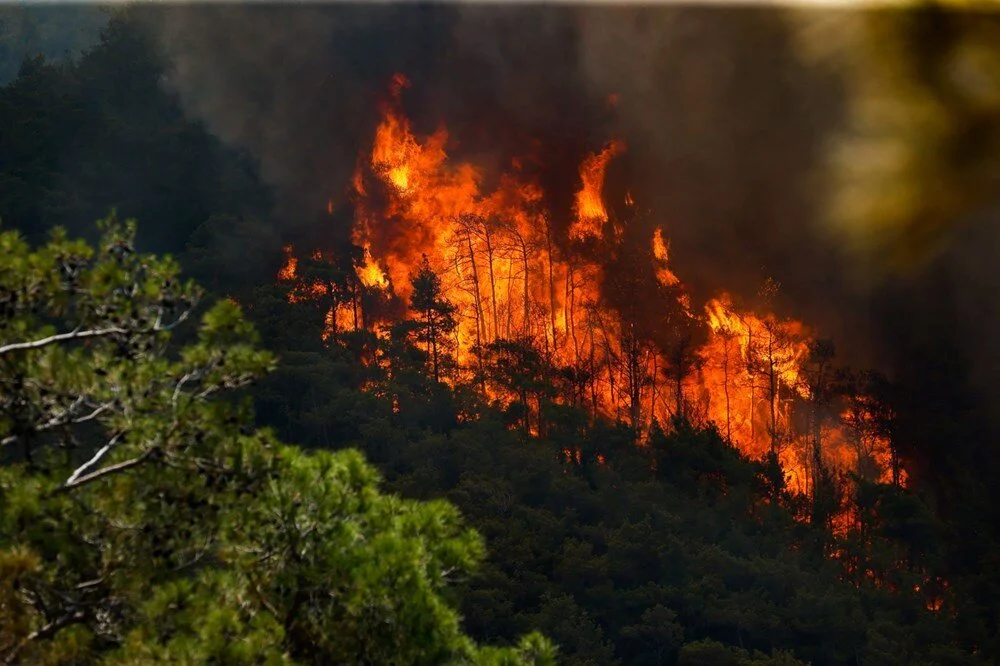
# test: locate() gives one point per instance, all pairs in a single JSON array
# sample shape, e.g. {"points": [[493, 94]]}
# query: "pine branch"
{"points": [[106, 471], [61, 337], [77, 334]]}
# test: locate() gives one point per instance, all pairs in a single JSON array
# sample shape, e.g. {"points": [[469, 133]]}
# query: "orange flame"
{"points": [[512, 278], [590, 211], [661, 253], [370, 273], [287, 271]]}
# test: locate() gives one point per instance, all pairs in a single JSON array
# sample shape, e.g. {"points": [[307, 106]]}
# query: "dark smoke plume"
{"points": [[724, 125], [728, 128]]}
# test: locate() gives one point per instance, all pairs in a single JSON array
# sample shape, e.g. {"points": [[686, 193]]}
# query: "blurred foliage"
{"points": [[919, 153]]}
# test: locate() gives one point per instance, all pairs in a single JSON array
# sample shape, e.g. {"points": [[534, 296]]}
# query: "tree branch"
{"points": [[60, 337], [94, 460], [48, 630], [62, 420], [77, 334], [105, 471]]}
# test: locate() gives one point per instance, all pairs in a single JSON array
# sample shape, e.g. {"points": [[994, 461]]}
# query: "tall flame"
{"points": [[661, 252], [513, 277], [589, 208]]}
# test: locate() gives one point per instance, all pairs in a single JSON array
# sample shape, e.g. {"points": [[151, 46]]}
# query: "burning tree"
{"points": [[487, 273]]}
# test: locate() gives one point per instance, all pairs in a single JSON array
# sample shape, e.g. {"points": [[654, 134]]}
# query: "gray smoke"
{"points": [[296, 86], [724, 125], [727, 126]]}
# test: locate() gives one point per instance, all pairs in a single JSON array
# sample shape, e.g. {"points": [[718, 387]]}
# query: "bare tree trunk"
{"points": [[571, 311], [510, 301], [479, 337], [653, 387], [773, 394], [751, 376], [480, 318], [818, 399], [631, 349], [609, 364], [592, 370], [568, 303], [726, 344], [488, 238], [527, 291], [679, 393], [552, 283]]}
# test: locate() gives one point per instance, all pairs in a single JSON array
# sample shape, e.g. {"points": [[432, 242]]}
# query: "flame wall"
{"points": [[516, 275], [725, 120]]}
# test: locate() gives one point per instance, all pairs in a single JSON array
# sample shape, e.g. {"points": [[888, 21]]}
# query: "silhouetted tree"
{"points": [[435, 315]]}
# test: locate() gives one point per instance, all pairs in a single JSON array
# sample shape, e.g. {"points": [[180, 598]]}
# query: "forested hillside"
{"points": [[624, 538], [56, 33]]}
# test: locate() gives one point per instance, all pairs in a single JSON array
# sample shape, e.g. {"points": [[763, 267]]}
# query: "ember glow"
{"points": [[524, 276]]}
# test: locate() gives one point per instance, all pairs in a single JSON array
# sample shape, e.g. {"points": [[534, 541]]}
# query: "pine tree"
{"points": [[435, 316], [143, 518]]}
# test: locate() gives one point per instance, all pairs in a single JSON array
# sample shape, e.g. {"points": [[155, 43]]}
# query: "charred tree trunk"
{"points": [[479, 336], [633, 374], [488, 239], [726, 345], [509, 333], [432, 346], [552, 283], [527, 291], [569, 314], [477, 300]]}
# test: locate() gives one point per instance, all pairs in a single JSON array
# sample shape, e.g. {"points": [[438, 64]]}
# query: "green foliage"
{"points": [[624, 554], [712, 653], [195, 538], [142, 517]]}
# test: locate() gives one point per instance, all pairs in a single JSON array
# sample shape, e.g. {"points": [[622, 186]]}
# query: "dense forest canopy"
{"points": [[700, 347]]}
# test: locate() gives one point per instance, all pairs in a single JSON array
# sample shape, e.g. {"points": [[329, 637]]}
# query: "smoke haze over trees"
{"points": [[58, 33]]}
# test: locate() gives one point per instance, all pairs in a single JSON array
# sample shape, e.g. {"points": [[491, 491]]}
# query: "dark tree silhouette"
{"points": [[435, 316]]}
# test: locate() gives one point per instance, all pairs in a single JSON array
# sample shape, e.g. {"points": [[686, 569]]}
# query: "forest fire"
{"points": [[521, 280]]}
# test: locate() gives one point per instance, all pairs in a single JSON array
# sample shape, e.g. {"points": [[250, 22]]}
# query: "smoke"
{"points": [[727, 129], [295, 86], [728, 126], [724, 125]]}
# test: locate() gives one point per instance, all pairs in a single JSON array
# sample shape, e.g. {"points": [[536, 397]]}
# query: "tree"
{"points": [[818, 377], [515, 372], [435, 315], [104, 130], [144, 519]]}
